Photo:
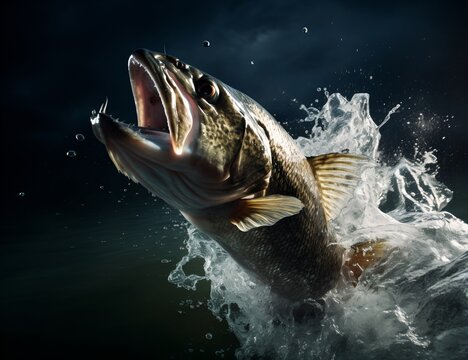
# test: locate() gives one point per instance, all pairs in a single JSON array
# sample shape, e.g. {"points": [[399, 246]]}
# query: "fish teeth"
{"points": [[95, 117], [103, 108]]}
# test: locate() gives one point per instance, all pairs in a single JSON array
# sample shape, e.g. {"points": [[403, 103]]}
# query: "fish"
{"points": [[235, 173]]}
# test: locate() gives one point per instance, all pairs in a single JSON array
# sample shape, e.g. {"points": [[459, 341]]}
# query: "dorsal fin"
{"points": [[337, 175]]}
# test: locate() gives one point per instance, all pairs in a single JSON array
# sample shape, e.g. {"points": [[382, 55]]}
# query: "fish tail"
{"points": [[361, 256]]}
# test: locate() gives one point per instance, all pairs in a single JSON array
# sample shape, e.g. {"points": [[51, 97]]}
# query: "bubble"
{"points": [[71, 153], [101, 187], [165, 261], [79, 137], [251, 62], [208, 336], [319, 89], [371, 77], [305, 30], [206, 43], [21, 194]]}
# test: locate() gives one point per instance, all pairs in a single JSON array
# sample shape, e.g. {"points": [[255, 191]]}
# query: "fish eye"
{"points": [[207, 89], [180, 65]]}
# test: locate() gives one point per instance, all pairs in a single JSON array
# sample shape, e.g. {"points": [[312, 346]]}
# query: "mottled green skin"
{"points": [[295, 256]]}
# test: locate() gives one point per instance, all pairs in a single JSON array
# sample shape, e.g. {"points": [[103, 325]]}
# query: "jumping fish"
{"points": [[220, 158]]}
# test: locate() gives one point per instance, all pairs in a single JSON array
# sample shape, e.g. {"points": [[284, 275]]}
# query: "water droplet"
{"points": [[71, 153], [319, 89], [21, 194], [443, 137], [305, 30], [79, 137], [371, 77], [251, 62], [208, 336], [101, 187], [165, 261], [206, 43]]}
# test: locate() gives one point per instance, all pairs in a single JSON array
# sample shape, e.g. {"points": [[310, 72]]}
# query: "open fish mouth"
{"points": [[149, 96], [167, 115]]}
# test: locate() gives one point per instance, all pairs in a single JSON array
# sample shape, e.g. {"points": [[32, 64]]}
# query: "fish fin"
{"points": [[264, 211], [337, 175], [361, 256]]}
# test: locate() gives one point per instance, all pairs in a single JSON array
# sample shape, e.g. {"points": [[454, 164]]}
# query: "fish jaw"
{"points": [[162, 102], [119, 137]]}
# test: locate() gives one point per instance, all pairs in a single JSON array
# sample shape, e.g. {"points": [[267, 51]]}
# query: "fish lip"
{"points": [[157, 68], [120, 137]]}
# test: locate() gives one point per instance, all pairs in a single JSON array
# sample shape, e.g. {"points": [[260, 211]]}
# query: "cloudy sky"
{"points": [[61, 59]]}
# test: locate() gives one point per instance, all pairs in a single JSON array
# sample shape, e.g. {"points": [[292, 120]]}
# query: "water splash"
{"points": [[413, 305], [390, 113]]}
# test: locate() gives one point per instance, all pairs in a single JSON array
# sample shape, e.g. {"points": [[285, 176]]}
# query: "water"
{"points": [[85, 271], [412, 305]]}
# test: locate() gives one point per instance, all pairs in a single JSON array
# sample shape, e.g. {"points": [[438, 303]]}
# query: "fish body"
{"points": [[231, 169], [296, 256]]}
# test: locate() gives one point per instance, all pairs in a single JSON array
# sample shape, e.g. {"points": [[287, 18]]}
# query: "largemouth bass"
{"points": [[231, 169]]}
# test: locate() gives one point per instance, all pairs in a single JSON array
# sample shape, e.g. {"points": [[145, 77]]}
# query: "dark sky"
{"points": [[76, 276], [62, 58]]}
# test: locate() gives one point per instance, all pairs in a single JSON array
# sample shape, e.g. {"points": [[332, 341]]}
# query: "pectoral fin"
{"points": [[337, 175], [264, 211]]}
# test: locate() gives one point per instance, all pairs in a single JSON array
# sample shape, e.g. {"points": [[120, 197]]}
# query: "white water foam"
{"points": [[413, 305]]}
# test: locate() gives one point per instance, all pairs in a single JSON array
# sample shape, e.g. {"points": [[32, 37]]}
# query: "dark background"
{"points": [[61, 59]]}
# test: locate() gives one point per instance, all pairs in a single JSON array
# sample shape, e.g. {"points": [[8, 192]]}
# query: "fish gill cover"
{"points": [[412, 305]]}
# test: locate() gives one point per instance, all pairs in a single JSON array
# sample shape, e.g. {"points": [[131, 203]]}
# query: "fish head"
{"points": [[197, 143]]}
